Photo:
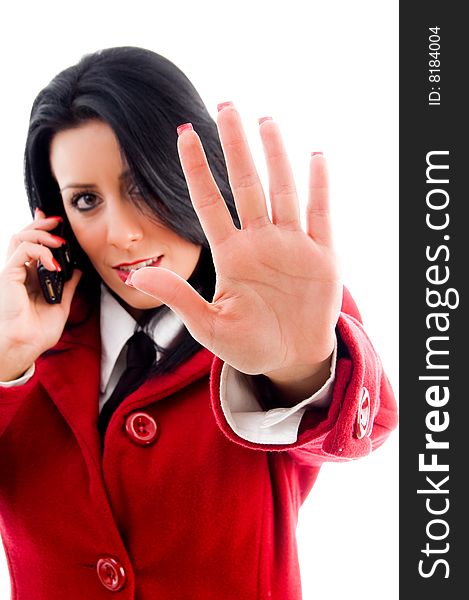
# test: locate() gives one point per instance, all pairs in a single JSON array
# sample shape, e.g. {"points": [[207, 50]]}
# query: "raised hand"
{"points": [[278, 292], [28, 324]]}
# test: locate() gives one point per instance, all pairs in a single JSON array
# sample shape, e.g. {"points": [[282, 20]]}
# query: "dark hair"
{"points": [[143, 97]]}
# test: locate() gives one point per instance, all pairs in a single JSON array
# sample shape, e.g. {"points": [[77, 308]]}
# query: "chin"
{"points": [[134, 301], [142, 301]]}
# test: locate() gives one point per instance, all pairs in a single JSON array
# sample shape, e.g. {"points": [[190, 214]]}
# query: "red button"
{"points": [[141, 428], [111, 574], [363, 414]]}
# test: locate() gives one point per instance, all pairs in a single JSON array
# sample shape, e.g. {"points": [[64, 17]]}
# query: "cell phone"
{"points": [[52, 282]]}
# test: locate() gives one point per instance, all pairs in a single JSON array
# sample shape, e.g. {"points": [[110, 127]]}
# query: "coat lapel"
{"points": [[70, 373], [161, 386]]}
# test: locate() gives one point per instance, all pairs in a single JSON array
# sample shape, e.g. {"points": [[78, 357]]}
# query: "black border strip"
{"points": [[434, 254]]}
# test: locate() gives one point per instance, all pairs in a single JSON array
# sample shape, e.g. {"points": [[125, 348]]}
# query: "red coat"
{"points": [[198, 513]]}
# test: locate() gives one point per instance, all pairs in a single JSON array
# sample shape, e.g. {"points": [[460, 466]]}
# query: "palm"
{"points": [[277, 295], [272, 282]]}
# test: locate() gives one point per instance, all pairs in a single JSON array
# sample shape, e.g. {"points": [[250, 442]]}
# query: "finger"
{"points": [[282, 188], [43, 224], [38, 214], [179, 295], [37, 236], [28, 252], [244, 179], [206, 198], [42, 220], [317, 212]]}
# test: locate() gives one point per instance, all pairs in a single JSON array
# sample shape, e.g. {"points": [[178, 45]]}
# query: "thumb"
{"points": [[179, 295]]}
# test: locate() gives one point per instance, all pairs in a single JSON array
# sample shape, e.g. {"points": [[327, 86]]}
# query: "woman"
{"points": [[187, 480]]}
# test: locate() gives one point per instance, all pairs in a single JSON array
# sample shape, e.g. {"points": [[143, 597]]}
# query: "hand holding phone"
{"points": [[52, 282], [32, 317]]}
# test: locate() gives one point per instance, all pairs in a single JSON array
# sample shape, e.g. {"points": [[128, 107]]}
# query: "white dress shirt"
{"points": [[240, 405]]}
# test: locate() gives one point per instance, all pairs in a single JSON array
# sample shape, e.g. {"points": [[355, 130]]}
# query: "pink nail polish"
{"points": [[184, 127], [314, 153], [128, 281], [262, 119], [223, 105]]}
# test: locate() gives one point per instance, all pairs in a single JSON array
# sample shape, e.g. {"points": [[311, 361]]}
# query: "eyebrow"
{"points": [[124, 175]]}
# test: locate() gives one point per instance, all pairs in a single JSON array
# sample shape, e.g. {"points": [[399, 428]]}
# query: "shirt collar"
{"points": [[117, 325]]}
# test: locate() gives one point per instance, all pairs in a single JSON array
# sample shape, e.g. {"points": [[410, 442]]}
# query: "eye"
{"points": [[83, 201]]}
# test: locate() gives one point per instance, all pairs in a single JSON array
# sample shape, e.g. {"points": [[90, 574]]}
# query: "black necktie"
{"points": [[140, 357]]}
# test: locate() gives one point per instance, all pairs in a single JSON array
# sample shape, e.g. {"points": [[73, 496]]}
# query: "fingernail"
{"points": [[262, 119], [184, 127], [58, 238], [314, 153], [128, 281], [56, 264], [223, 105]]}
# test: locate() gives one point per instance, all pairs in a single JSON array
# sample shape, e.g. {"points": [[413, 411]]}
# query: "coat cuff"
{"points": [[346, 429], [243, 405]]}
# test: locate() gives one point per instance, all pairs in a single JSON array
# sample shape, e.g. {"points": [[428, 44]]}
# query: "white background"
{"points": [[327, 72]]}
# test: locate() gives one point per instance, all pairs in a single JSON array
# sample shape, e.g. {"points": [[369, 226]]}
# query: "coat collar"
{"points": [[70, 373]]}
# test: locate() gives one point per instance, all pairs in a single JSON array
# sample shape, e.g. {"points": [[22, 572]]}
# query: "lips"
{"points": [[124, 269]]}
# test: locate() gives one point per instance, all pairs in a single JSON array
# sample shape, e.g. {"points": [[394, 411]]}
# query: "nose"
{"points": [[124, 224]]}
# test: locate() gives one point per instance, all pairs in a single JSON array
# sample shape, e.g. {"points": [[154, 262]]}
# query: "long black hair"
{"points": [[143, 97]]}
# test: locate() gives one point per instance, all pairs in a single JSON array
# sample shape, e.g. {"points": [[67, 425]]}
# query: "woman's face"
{"points": [[97, 194]]}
